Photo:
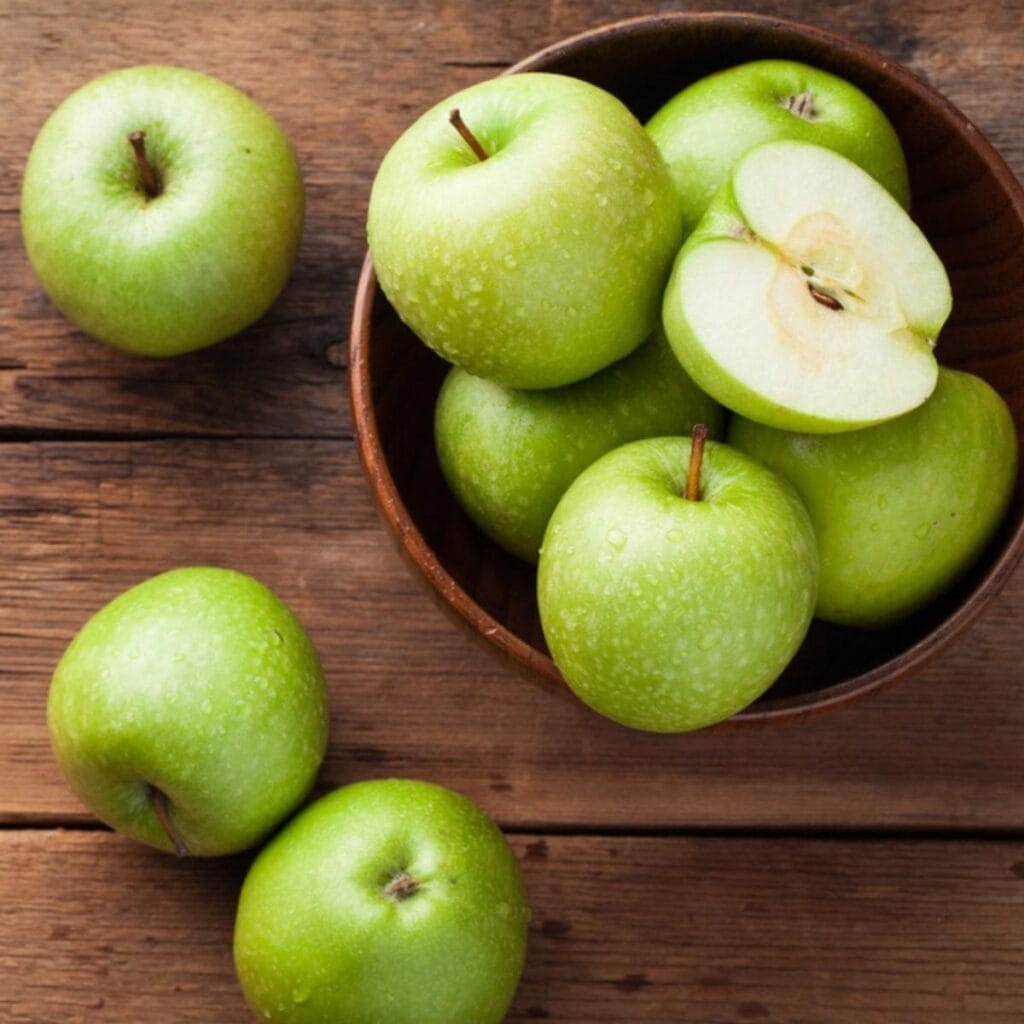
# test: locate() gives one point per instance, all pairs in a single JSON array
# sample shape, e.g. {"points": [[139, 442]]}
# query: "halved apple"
{"points": [[806, 298]]}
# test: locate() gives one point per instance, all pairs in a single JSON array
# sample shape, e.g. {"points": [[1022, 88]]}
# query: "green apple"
{"points": [[807, 299], [704, 130], [190, 713], [386, 902], [900, 510], [670, 597], [542, 263], [509, 455], [161, 209]]}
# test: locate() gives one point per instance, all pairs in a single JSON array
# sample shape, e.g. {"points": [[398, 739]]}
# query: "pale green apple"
{"points": [[903, 509], [665, 613], [542, 263], [509, 455], [386, 902], [807, 299], [190, 713], [195, 262], [703, 131]]}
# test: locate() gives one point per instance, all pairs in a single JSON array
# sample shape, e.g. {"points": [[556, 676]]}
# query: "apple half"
{"points": [[806, 298]]}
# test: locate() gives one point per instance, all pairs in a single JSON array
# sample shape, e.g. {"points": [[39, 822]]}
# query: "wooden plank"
{"points": [[702, 930], [412, 695], [344, 79]]}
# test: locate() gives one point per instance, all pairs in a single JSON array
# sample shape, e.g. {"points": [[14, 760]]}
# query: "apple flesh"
{"points": [[668, 614], [388, 901], [165, 270], [900, 510], [543, 263], [509, 455], [190, 713], [807, 299], [704, 131]]}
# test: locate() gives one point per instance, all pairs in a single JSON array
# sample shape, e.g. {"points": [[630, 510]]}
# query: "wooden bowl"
{"points": [[968, 203]]}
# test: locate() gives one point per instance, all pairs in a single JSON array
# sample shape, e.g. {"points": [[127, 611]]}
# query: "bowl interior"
{"points": [[964, 198]]}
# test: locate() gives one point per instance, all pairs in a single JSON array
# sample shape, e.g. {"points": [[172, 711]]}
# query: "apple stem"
{"points": [[402, 886], [700, 435], [150, 182], [162, 810], [455, 119]]}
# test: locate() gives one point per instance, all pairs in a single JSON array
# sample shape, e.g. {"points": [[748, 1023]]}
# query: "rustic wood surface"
{"points": [[113, 468]]}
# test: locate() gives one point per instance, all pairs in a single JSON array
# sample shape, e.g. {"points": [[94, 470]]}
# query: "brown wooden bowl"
{"points": [[968, 203]]}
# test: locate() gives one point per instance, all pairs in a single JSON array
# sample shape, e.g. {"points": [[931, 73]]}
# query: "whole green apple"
{"points": [[190, 712], [386, 902], [161, 209], [806, 298], [509, 455], [903, 509], [704, 130], [544, 261], [673, 593]]}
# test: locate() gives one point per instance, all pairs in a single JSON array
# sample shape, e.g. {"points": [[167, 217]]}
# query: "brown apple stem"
{"points": [[700, 435], [824, 299], [162, 811], [455, 119], [402, 886], [150, 182]]}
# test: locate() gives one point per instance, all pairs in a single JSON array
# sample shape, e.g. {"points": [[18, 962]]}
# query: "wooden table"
{"points": [[865, 868]]}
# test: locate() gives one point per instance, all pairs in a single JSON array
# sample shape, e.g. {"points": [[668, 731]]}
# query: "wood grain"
{"points": [[344, 79], [411, 695], [705, 931]]}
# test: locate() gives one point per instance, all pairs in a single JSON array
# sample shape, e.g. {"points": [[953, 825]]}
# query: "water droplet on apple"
{"points": [[275, 638], [617, 539], [300, 995], [676, 536], [475, 284], [510, 261], [648, 197], [923, 530], [874, 527], [706, 642], [883, 501], [602, 200]]}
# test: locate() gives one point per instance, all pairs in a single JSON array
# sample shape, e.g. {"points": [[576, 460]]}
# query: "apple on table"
{"points": [[161, 209], [390, 901], [190, 713]]}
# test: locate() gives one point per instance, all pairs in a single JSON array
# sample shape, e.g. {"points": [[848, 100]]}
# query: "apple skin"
{"points": [[509, 455], [318, 940], [903, 509], [665, 614], [201, 683], [542, 264], [704, 130], [190, 267]]}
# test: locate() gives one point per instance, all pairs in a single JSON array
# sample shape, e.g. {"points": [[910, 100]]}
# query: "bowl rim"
{"points": [[509, 644]]}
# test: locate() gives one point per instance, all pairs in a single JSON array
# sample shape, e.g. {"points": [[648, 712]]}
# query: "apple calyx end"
{"points": [[401, 886], [150, 182], [162, 810], [700, 435], [455, 120], [801, 105]]}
